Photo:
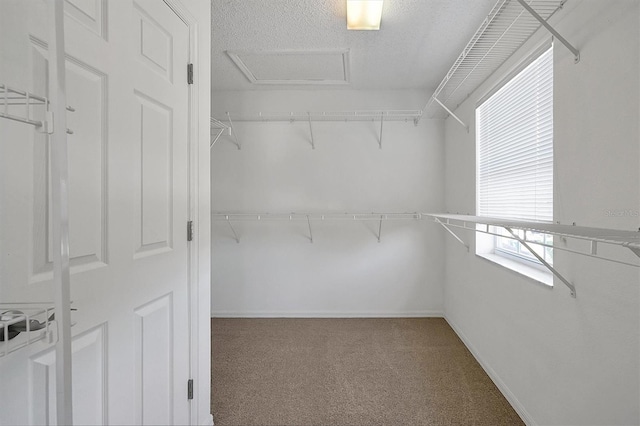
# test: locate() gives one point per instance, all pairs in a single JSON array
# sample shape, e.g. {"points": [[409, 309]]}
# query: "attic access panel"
{"points": [[294, 67]]}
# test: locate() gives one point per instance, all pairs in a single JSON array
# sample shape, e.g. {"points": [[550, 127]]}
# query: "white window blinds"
{"points": [[515, 146]]}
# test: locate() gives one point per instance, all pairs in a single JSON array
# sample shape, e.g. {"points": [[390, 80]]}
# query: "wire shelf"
{"points": [[22, 324], [314, 216], [504, 31], [373, 115], [25, 107]]}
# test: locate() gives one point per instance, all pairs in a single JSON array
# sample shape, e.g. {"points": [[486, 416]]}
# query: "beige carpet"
{"points": [[349, 372]]}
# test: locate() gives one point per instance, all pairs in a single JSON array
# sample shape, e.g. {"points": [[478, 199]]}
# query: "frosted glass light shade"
{"points": [[364, 14]]}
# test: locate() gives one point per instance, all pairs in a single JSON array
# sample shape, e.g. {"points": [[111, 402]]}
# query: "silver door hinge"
{"points": [[190, 230], [190, 389], [189, 73]]}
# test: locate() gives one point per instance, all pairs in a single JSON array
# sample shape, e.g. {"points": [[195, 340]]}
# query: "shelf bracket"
{"points": [[214, 140], [381, 123], [452, 233], [572, 288], [233, 132], [232, 230], [635, 250], [310, 233], [380, 229], [313, 146], [576, 52], [451, 113]]}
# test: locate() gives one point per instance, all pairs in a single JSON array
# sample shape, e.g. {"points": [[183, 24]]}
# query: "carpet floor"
{"points": [[373, 371]]}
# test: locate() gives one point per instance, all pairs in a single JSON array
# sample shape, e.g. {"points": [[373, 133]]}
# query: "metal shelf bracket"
{"points": [[313, 146], [451, 113], [232, 230], [233, 132], [452, 233], [214, 140], [556, 34], [381, 123], [220, 127], [310, 233], [572, 288], [635, 250], [380, 229]]}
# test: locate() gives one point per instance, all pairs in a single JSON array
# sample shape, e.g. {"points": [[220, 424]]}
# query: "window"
{"points": [[514, 134]]}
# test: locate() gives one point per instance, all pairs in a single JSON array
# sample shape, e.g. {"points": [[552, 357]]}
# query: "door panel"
{"points": [[128, 209]]}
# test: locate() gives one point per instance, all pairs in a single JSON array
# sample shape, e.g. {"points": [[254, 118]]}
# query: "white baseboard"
{"points": [[208, 421], [515, 403], [324, 314]]}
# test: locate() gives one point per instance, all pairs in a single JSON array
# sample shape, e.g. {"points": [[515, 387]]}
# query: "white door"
{"points": [[128, 207]]}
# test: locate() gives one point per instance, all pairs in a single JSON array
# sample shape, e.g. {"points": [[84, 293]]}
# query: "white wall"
{"points": [[275, 270], [560, 360]]}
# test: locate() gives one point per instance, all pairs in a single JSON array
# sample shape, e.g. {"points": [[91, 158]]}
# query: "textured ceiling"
{"points": [[418, 41]]}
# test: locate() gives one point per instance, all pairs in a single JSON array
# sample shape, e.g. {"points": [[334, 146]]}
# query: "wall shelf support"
{"points": [[572, 288], [235, 235], [313, 146], [219, 127], [381, 123], [310, 233], [380, 229], [451, 114], [556, 34], [233, 132], [452, 233], [214, 140]]}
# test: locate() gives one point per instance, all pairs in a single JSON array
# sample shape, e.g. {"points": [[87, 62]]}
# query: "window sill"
{"points": [[538, 275]]}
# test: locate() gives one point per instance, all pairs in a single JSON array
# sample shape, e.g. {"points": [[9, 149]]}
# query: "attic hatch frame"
{"points": [[594, 236], [503, 32]]}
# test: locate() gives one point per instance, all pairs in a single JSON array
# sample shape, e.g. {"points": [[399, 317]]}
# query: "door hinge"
{"points": [[189, 73], [190, 389], [190, 230]]}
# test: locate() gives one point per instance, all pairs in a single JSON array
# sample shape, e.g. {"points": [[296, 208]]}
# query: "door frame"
{"points": [[195, 282]]}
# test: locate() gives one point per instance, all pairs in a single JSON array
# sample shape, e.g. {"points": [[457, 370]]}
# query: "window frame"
{"points": [[489, 249]]}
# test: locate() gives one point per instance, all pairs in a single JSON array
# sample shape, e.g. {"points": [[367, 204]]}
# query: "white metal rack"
{"points": [[358, 115], [20, 105], [310, 116], [217, 127], [509, 24], [310, 217], [22, 324], [594, 236]]}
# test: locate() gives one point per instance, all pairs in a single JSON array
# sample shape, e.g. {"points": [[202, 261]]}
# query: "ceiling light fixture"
{"points": [[364, 14]]}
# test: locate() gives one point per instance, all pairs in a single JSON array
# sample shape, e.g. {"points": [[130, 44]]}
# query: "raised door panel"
{"points": [[89, 363], [154, 43], [154, 362], [153, 168], [90, 13], [86, 92]]}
